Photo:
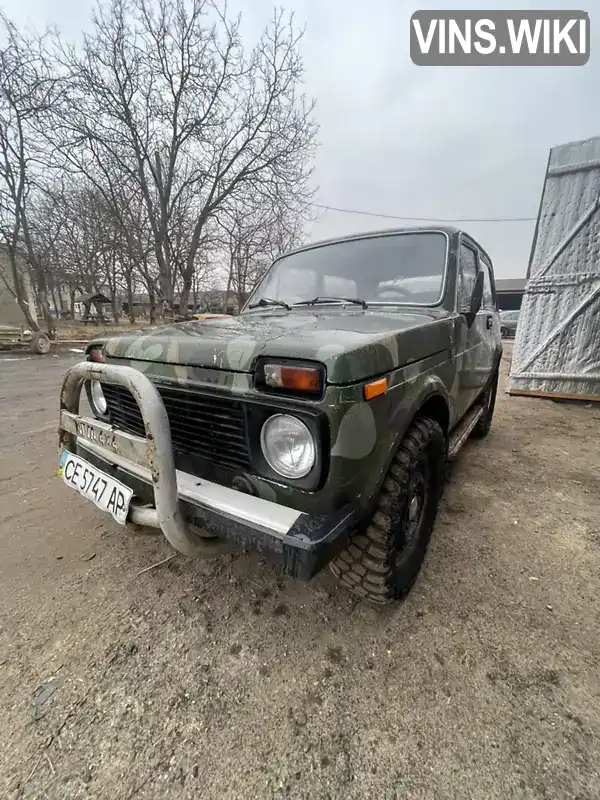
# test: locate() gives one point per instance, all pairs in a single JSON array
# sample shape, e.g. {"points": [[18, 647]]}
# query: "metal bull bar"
{"points": [[155, 452]]}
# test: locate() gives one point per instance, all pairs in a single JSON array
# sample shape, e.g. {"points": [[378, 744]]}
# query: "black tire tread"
{"points": [[365, 566]]}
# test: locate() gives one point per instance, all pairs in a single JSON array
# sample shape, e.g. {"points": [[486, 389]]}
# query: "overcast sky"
{"points": [[416, 141]]}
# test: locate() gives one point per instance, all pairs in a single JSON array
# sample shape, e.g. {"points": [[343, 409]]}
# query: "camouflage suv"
{"points": [[316, 425]]}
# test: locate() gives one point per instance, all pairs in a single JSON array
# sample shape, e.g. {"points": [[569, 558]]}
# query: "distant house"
{"points": [[95, 306], [509, 292], [140, 304], [215, 301], [210, 300]]}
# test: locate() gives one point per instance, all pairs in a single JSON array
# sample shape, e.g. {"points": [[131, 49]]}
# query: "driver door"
{"points": [[473, 356]]}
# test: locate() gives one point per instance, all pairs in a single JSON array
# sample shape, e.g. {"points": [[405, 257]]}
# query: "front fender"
{"points": [[407, 394], [403, 414]]}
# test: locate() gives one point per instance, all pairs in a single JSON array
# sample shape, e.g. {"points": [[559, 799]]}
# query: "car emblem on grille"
{"points": [[93, 434]]}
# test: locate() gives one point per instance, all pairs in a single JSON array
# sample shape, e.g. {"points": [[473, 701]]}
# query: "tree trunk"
{"points": [[195, 296], [228, 290], [61, 301], [20, 294], [184, 297], [131, 312], [40, 279], [43, 295], [55, 302], [152, 300], [115, 306], [165, 282]]}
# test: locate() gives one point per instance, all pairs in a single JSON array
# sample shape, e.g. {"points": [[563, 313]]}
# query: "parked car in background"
{"points": [[508, 323]]}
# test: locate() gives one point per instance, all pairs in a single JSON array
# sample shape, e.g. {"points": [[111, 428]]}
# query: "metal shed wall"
{"points": [[557, 344]]}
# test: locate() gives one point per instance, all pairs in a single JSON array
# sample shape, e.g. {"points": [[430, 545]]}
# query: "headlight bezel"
{"points": [[318, 426], [95, 400], [268, 456], [102, 416], [95, 352]]}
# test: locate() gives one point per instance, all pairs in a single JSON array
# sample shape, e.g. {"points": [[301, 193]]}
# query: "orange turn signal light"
{"points": [[300, 379], [375, 388]]}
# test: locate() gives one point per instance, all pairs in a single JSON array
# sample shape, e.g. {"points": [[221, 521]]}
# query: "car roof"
{"points": [[449, 230]]}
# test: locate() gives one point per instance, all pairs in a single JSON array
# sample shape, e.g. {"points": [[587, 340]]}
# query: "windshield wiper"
{"points": [[357, 301], [269, 301]]}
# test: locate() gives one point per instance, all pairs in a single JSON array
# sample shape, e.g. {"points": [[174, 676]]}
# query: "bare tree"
{"points": [[165, 94], [29, 88], [253, 236], [48, 220], [246, 245]]}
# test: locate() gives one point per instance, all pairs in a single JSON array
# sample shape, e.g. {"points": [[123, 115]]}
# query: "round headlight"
{"points": [[288, 446], [99, 406]]}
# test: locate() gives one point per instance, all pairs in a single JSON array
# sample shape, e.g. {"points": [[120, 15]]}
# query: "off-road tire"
{"points": [[40, 343], [378, 565], [488, 400]]}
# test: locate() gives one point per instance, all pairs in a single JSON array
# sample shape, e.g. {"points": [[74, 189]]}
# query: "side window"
{"points": [[488, 297], [467, 275]]}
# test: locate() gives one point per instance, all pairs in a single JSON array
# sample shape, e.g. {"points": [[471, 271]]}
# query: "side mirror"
{"points": [[476, 299]]}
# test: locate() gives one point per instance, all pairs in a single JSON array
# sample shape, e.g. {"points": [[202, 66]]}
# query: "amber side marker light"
{"points": [[300, 379], [375, 388]]}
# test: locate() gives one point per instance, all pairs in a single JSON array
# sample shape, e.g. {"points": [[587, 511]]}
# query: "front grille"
{"points": [[202, 426]]}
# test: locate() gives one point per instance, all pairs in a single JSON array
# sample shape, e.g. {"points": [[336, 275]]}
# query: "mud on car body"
{"points": [[315, 426]]}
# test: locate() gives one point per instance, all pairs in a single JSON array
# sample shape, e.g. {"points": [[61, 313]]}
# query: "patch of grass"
{"points": [[74, 329]]}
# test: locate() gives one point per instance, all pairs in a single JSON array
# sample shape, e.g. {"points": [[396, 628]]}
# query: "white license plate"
{"points": [[107, 493]]}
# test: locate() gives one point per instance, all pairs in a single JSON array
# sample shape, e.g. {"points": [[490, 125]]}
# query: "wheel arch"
{"points": [[436, 407], [431, 400]]}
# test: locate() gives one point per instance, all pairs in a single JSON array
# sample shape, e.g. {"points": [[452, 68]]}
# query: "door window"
{"points": [[467, 275], [487, 302]]}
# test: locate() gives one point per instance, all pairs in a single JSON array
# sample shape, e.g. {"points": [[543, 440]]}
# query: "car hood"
{"points": [[352, 344]]}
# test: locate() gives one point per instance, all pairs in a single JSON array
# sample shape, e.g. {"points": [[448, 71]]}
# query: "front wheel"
{"points": [[382, 563]]}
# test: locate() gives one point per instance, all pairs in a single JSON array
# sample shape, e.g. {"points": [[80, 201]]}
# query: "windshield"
{"points": [[406, 268]]}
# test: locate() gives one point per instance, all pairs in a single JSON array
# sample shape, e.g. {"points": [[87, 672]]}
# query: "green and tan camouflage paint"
{"points": [[422, 352]]}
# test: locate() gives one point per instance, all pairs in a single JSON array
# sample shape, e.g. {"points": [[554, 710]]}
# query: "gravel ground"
{"points": [[225, 680]]}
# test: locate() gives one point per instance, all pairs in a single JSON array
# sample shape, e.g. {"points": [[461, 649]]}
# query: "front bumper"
{"points": [[177, 502]]}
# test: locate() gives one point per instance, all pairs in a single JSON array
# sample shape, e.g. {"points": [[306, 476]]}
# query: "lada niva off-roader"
{"points": [[316, 425]]}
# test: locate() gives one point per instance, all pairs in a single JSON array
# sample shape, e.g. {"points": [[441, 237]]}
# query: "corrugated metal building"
{"points": [[557, 344], [509, 293]]}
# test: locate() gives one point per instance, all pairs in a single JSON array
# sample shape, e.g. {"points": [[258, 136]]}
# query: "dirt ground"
{"points": [[224, 680]]}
